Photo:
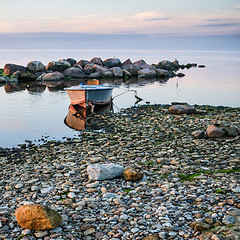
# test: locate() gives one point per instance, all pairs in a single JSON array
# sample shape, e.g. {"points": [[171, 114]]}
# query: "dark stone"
{"points": [[36, 66], [127, 62], [97, 61], [83, 63], [142, 65], [70, 60], [73, 72], [95, 75], [112, 62], [231, 132], [199, 134], [9, 69], [132, 69], [147, 73], [58, 66], [88, 69]]}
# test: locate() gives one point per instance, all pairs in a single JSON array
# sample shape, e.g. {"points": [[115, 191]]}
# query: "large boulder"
{"points": [[181, 109], [95, 75], [117, 72], [99, 69], [147, 73], [55, 76], [58, 66], [74, 73], [132, 69], [162, 73], [36, 66], [112, 62], [142, 64], [97, 61], [104, 171], [70, 60], [88, 68], [214, 132], [127, 62], [83, 63], [9, 69], [167, 65], [37, 217]]}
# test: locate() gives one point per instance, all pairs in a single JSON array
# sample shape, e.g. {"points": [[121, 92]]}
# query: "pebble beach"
{"points": [[190, 188]]}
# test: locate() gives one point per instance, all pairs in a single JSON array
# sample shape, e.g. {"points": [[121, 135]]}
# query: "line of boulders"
{"points": [[95, 68]]}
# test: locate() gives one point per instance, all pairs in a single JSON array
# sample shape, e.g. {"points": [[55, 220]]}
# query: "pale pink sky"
{"points": [[113, 16]]}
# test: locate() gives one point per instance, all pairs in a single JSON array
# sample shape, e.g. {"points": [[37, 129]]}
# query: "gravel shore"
{"points": [[190, 188]]}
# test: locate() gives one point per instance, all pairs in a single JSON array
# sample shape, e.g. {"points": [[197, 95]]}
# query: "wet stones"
{"points": [[104, 171], [132, 174], [37, 217]]}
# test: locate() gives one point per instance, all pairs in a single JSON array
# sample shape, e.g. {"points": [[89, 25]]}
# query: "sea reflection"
{"points": [[79, 116], [53, 86]]}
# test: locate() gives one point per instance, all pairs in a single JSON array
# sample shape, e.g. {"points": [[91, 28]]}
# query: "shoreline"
{"points": [[187, 182]]}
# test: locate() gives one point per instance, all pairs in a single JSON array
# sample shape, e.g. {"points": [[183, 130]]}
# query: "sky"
{"points": [[150, 17]]}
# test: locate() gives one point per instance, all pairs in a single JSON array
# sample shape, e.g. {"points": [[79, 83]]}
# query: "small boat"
{"points": [[90, 94]]}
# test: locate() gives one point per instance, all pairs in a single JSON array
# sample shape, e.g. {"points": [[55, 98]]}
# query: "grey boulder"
{"points": [[104, 171], [73, 72], [36, 66]]}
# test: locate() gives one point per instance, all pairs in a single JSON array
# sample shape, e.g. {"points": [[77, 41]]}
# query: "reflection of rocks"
{"points": [[36, 87], [9, 88]]}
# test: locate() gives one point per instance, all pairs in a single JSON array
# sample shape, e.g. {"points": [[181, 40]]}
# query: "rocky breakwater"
{"points": [[95, 68], [167, 184]]}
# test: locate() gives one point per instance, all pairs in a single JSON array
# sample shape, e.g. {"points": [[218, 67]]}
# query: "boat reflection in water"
{"points": [[79, 116]]}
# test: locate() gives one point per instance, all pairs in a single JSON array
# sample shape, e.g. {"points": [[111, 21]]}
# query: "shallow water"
{"points": [[31, 115]]}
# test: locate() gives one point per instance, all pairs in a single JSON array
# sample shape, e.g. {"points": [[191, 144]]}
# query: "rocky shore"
{"points": [[95, 68], [190, 187]]}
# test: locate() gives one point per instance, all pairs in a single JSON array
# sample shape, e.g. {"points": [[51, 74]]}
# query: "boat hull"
{"points": [[94, 95]]}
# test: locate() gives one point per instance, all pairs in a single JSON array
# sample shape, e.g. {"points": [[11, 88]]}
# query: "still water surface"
{"points": [[26, 114]]}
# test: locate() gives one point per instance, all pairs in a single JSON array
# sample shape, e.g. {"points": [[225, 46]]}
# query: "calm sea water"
{"points": [[33, 115]]}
